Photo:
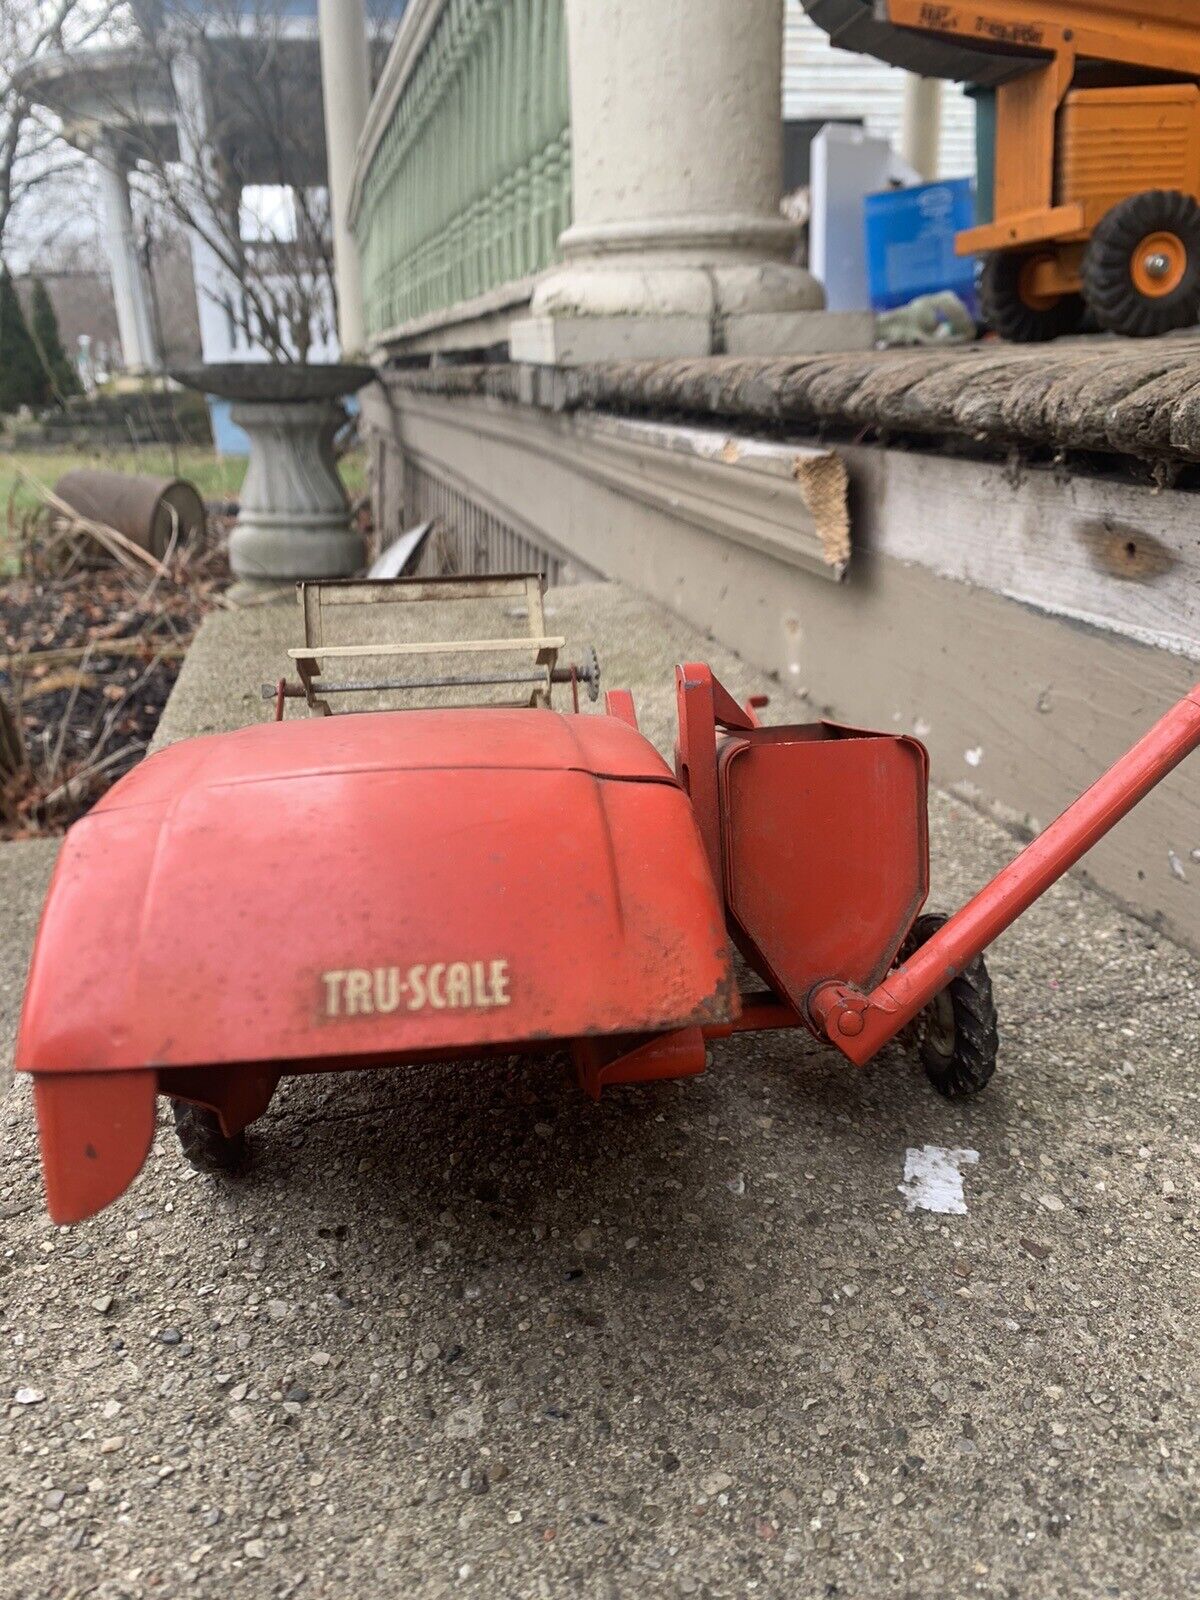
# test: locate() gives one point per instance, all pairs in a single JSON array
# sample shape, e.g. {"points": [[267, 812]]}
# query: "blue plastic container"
{"points": [[910, 243]]}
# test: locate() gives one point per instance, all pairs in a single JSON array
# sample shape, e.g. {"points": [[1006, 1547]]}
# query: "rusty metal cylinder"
{"points": [[146, 510]]}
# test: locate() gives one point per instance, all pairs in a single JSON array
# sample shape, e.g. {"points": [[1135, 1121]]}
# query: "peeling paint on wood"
{"points": [[1115, 555]]}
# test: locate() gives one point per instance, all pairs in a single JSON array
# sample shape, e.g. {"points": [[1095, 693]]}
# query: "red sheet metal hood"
{"points": [[377, 885]]}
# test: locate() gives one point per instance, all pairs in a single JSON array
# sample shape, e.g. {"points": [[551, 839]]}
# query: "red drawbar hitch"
{"points": [[861, 1024]]}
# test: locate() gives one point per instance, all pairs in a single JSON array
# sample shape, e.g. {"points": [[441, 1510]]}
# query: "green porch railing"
{"points": [[469, 185]]}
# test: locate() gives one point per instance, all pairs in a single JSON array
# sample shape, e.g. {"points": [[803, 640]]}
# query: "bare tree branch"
{"points": [[31, 30], [263, 130]]}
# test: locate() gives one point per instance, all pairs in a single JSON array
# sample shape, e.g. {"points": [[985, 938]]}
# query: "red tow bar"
{"points": [[861, 1024]]}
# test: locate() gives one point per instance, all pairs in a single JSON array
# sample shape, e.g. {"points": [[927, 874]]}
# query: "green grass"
{"points": [[216, 477]]}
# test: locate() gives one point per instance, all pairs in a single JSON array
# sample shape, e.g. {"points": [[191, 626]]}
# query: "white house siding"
{"points": [[819, 81]]}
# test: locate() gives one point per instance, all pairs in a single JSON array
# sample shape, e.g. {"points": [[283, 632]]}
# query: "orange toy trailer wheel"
{"points": [[204, 1143], [1141, 273], [955, 1035], [1016, 308]]}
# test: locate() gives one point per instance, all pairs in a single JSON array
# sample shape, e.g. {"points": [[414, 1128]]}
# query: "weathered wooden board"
{"points": [[787, 500], [1119, 556], [1098, 549], [1136, 397]]}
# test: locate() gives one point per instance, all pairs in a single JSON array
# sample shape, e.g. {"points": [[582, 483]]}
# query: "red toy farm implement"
{"points": [[402, 886]]}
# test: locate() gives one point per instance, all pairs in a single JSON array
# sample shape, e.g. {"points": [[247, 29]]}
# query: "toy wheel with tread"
{"points": [[1141, 273], [1015, 310], [956, 1035], [204, 1143]]}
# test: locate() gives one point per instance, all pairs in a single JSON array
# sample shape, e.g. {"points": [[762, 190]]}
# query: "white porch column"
{"points": [[130, 292], [218, 292], [346, 91], [920, 135], [677, 245]]}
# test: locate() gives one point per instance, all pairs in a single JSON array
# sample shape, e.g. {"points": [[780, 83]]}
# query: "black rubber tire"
{"points": [[956, 1036], [202, 1141], [1007, 314], [1108, 286]]}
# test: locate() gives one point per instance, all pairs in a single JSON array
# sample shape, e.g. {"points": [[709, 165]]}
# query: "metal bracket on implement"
{"points": [[534, 678]]}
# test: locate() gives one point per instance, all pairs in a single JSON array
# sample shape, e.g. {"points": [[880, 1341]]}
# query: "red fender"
{"points": [[96, 1129], [355, 891]]}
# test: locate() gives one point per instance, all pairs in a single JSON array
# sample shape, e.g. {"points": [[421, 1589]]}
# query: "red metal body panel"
{"points": [[352, 891], [826, 853], [498, 878]]}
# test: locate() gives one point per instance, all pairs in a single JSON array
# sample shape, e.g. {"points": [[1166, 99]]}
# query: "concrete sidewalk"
{"points": [[460, 1331]]}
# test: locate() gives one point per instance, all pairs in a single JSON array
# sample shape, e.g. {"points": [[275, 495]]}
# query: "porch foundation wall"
{"points": [[1022, 702]]}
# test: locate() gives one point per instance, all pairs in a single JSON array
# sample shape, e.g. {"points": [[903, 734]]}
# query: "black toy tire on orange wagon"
{"points": [[204, 1144], [1141, 273], [1009, 310], [956, 1036]]}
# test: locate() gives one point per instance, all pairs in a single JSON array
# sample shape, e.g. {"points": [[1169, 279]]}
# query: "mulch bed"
{"points": [[87, 662]]}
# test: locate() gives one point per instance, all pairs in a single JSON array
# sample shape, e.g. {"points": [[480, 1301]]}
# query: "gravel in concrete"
{"points": [[25, 868], [460, 1331]]}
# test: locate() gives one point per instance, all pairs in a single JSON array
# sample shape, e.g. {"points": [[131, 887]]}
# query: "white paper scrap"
{"points": [[933, 1179]]}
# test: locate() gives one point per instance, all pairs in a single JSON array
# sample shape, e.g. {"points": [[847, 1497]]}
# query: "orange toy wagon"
{"points": [[357, 891]]}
